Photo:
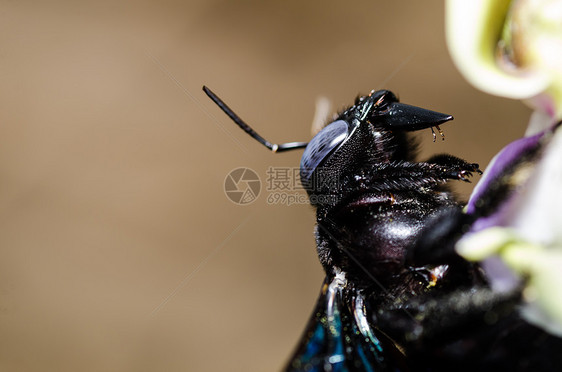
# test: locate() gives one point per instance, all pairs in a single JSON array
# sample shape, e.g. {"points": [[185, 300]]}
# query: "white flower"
{"points": [[514, 49]]}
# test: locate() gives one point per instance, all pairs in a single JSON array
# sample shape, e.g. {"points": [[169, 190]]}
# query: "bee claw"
{"points": [[476, 168], [464, 175]]}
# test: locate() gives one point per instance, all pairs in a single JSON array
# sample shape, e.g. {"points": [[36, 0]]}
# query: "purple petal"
{"points": [[503, 159]]}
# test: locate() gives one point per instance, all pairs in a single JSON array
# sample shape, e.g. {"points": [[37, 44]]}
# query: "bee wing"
{"points": [[321, 115], [337, 337]]}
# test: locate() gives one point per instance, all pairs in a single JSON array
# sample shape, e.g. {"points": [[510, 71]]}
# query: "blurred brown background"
{"points": [[118, 248]]}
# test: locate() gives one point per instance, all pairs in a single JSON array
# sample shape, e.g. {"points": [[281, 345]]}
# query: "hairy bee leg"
{"points": [[401, 176], [455, 167], [423, 320], [453, 162], [473, 329]]}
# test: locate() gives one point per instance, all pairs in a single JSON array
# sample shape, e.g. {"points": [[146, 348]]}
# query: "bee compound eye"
{"points": [[321, 146]]}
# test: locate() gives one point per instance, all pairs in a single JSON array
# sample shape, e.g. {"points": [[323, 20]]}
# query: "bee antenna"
{"points": [[246, 128]]}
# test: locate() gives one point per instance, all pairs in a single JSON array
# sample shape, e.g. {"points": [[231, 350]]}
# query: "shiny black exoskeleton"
{"points": [[396, 295], [371, 196]]}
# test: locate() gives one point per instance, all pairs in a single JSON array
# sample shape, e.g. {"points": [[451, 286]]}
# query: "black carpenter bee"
{"points": [[396, 296]]}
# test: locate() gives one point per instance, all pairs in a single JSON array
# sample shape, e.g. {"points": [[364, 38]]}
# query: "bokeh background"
{"points": [[118, 248]]}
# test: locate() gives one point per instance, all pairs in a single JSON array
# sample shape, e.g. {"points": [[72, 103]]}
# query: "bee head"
{"points": [[372, 130]]}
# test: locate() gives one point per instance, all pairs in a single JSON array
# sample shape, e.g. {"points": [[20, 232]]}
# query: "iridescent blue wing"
{"points": [[339, 336]]}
